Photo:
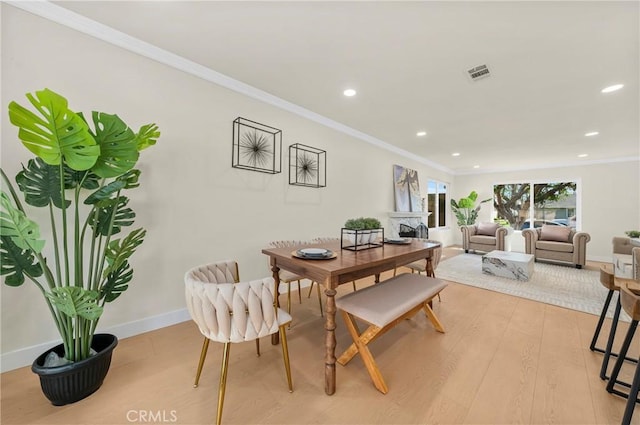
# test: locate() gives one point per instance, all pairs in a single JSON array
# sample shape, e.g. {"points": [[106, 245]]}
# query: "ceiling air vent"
{"points": [[478, 72]]}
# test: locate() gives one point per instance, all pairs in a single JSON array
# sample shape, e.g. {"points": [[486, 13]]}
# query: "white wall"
{"points": [[610, 199], [195, 206]]}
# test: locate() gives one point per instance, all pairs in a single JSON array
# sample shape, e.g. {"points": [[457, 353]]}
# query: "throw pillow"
{"points": [[487, 229], [555, 233]]}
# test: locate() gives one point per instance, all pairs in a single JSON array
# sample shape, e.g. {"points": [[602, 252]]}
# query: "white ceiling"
{"points": [[408, 61]]}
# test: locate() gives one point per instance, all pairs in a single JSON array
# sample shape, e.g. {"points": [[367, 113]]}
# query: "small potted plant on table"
{"points": [[361, 233]]}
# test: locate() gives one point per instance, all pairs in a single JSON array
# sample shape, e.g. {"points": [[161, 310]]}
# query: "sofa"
{"points": [[557, 243], [484, 237]]}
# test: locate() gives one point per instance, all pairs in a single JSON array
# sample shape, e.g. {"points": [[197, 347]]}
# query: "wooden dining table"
{"points": [[347, 266]]}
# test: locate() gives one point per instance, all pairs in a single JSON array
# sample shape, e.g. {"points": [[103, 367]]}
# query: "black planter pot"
{"points": [[72, 382]]}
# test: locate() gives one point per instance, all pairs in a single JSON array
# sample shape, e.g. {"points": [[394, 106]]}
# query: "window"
{"points": [[437, 204], [522, 204]]}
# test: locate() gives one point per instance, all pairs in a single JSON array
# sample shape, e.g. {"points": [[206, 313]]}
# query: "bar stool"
{"points": [[630, 300], [608, 281]]}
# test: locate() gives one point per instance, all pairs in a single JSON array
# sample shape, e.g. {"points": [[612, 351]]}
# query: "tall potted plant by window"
{"points": [[466, 210], [80, 174]]}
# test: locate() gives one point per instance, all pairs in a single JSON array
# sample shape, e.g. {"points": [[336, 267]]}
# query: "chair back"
{"points": [[622, 245], [630, 300], [225, 271], [325, 239], [285, 244], [232, 312]]}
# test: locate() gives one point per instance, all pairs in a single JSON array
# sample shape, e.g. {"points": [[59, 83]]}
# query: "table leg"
{"points": [[429, 268], [275, 337], [330, 342]]}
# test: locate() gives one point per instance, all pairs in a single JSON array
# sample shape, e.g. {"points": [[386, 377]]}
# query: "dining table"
{"points": [[344, 266]]}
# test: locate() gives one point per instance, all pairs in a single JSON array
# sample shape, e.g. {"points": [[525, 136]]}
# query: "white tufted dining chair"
{"points": [[229, 312]]}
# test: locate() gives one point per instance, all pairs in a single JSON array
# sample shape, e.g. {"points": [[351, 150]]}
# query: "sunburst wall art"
{"points": [[307, 166], [256, 147]]}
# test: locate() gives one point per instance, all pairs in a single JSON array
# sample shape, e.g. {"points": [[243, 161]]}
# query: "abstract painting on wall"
{"points": [[406, 189]]}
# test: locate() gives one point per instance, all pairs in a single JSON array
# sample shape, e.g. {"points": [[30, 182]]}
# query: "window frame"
{"points": [[531, 183], [447, 203]]}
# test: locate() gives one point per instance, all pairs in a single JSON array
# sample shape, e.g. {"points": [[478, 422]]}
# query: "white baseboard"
{"points": [[25, 356]]}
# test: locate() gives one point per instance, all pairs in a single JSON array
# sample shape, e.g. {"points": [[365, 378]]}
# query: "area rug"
{"points": [[563, 286]]}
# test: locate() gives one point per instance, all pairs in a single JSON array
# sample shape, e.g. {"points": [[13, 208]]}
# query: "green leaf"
{"points": [[117, 282], [147, 136], [16, 262], [118, 145], [56, 134], [40, 184], [15, 224], [75, 301], [105, 192], [86, 179], [130, 178], [123, 216], [465, 203], [119, 251]]}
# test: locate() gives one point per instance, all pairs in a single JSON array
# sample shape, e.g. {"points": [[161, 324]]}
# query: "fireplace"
{"points": [[408, 225], [420, 231]]}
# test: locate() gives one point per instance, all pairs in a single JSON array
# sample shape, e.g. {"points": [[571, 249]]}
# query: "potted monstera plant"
{"points": [[80, 175]]}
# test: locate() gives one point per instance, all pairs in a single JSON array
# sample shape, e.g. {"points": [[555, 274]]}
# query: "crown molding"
{"points": [[544, 167]]}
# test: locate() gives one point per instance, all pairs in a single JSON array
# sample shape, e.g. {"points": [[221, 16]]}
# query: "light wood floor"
{"points": [[503, 360]]}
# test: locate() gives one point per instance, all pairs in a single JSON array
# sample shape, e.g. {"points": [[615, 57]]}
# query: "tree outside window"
{"points": [[541, 203]]}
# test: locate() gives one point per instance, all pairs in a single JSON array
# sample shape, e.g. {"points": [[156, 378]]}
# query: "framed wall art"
{"points": [[307, 166], [256, 147], [406, 189]]}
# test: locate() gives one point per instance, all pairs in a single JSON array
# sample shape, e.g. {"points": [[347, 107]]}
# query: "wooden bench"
{"points": [[383, 306]]}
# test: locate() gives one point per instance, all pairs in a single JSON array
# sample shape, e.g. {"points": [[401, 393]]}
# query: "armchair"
{"points": [[623, 263], [484, 237], [557, 243]]}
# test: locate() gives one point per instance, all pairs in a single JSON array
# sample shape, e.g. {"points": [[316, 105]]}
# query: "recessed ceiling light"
{"points": [[476, 166], [349, 92], [455, 154], [612, 88], [583, 155], [591, 133], [421, 133]]}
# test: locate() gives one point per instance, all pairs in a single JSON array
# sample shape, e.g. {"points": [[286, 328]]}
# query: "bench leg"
{"points": [[433, 318], [361, 347], [369, 335]]}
